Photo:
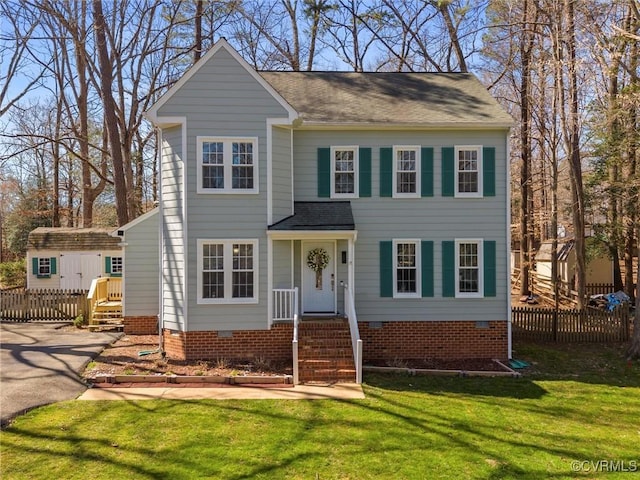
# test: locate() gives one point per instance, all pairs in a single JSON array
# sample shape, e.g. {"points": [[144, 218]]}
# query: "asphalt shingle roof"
{"points": [[388, 97], [318, 216], [61, 238]]}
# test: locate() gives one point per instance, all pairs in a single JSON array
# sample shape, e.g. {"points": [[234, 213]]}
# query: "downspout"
{"points": [[508, 249]]}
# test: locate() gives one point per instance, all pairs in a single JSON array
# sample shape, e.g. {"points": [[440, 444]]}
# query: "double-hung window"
{"points": [[468, 171], [344, 172], [469, 268], [44, 267], [228, 271], [227, 165], [406, 271], [406, 171]]}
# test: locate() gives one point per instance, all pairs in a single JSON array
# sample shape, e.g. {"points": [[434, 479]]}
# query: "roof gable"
{"points": [[221, 44]]}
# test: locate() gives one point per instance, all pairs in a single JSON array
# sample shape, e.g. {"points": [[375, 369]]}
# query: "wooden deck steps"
{"points": [[107, 315], [325, 353]]}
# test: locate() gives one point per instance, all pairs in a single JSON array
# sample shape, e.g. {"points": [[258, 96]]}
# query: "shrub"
{"points": [[13, 274]]}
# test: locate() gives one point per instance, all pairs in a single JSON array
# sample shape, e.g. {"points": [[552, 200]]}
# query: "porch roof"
{"points": [[318, 216]]}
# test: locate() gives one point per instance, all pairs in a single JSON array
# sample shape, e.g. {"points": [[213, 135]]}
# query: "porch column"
{"points": [[351, 276]]}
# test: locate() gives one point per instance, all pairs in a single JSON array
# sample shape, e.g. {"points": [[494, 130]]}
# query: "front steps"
{"points": [[325, 353]]}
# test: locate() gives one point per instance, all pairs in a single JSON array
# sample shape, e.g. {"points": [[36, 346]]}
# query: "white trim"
{"points": [[456, 150], [480, 243], [227, 164], [152, 113], [293, 191], [313, 234], [356, 171], [508, 237], [228, 271], [418, 245], [418, 150], [185, 234]]}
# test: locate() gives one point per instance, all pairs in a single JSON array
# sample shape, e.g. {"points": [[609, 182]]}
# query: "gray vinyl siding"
{"points": [[173, 225], [141, 269], [282, 264], [434, 218], [282, 174], [224, 100]]}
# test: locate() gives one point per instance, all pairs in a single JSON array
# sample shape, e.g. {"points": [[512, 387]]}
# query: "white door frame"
{"points": [[303, 265]]}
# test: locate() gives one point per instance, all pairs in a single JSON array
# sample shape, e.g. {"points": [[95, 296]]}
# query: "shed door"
{"points": [[77, 270]]}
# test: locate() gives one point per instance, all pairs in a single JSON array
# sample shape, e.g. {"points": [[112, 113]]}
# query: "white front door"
{"points": [[77, 270], [318, 289]]}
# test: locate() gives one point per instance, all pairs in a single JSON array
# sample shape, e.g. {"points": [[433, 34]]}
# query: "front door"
{"points": [[318, 277]]}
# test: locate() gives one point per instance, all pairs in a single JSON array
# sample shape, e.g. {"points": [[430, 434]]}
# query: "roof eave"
{"points": [[319, 125]]}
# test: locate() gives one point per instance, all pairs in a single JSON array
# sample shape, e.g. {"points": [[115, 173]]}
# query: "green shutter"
{"points": [[386, 268], [427, 268], [489, 171], [53, 267], [489, 249], [34, 266], [426, 171], [386, 172], [448, 172], [107, 265], [324, 172], [448, 269], [365, 172]]}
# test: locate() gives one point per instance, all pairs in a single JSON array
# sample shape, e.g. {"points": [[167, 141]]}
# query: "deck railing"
{"points": [[285, 303], [103, 290], [285, 307], [356, 342]]}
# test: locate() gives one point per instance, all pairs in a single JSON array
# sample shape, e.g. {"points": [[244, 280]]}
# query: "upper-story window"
{"points": [[468, 171], [344, 172], [406, 171], [227, 165]]}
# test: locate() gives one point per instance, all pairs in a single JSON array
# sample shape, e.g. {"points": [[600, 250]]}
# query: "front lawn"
{"points": [[407, 427]]}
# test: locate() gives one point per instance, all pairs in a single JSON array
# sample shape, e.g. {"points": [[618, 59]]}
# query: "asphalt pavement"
{"points": [[40, 364]]}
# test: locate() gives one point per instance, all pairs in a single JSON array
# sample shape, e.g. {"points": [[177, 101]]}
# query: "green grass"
{"points": [[581, 403]]}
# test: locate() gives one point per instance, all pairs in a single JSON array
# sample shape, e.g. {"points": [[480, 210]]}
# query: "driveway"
{"points": [[39, 364]]}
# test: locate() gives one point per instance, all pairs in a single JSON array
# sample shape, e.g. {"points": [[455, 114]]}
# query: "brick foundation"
{"points": [[274, 344], [392, 341], [147, 325], [433, 340]]}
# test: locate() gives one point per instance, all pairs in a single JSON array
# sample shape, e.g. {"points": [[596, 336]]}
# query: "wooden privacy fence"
{"points": [[587, 325], [43, 305]]}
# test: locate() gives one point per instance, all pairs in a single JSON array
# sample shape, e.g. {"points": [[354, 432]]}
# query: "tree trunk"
{"points": [[573, 144], [111, 121], [634, 349], [197, 51]]}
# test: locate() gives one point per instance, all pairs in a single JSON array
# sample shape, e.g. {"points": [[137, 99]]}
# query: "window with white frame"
{"points": [[406, 269], [44, 267], [468, 171], [344, 172], [227, 271], [227, 165], [116, 266], [406, 171], [469, 268]]}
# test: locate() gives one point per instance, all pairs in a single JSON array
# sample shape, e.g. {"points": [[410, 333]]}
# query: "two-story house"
{"points": [[382, 198]]}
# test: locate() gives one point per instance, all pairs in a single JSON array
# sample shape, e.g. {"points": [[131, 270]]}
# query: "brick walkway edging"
{"points": [[194, 379]]}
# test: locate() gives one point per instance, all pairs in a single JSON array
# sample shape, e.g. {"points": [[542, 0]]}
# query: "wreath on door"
{"points": [[318, 260]]}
